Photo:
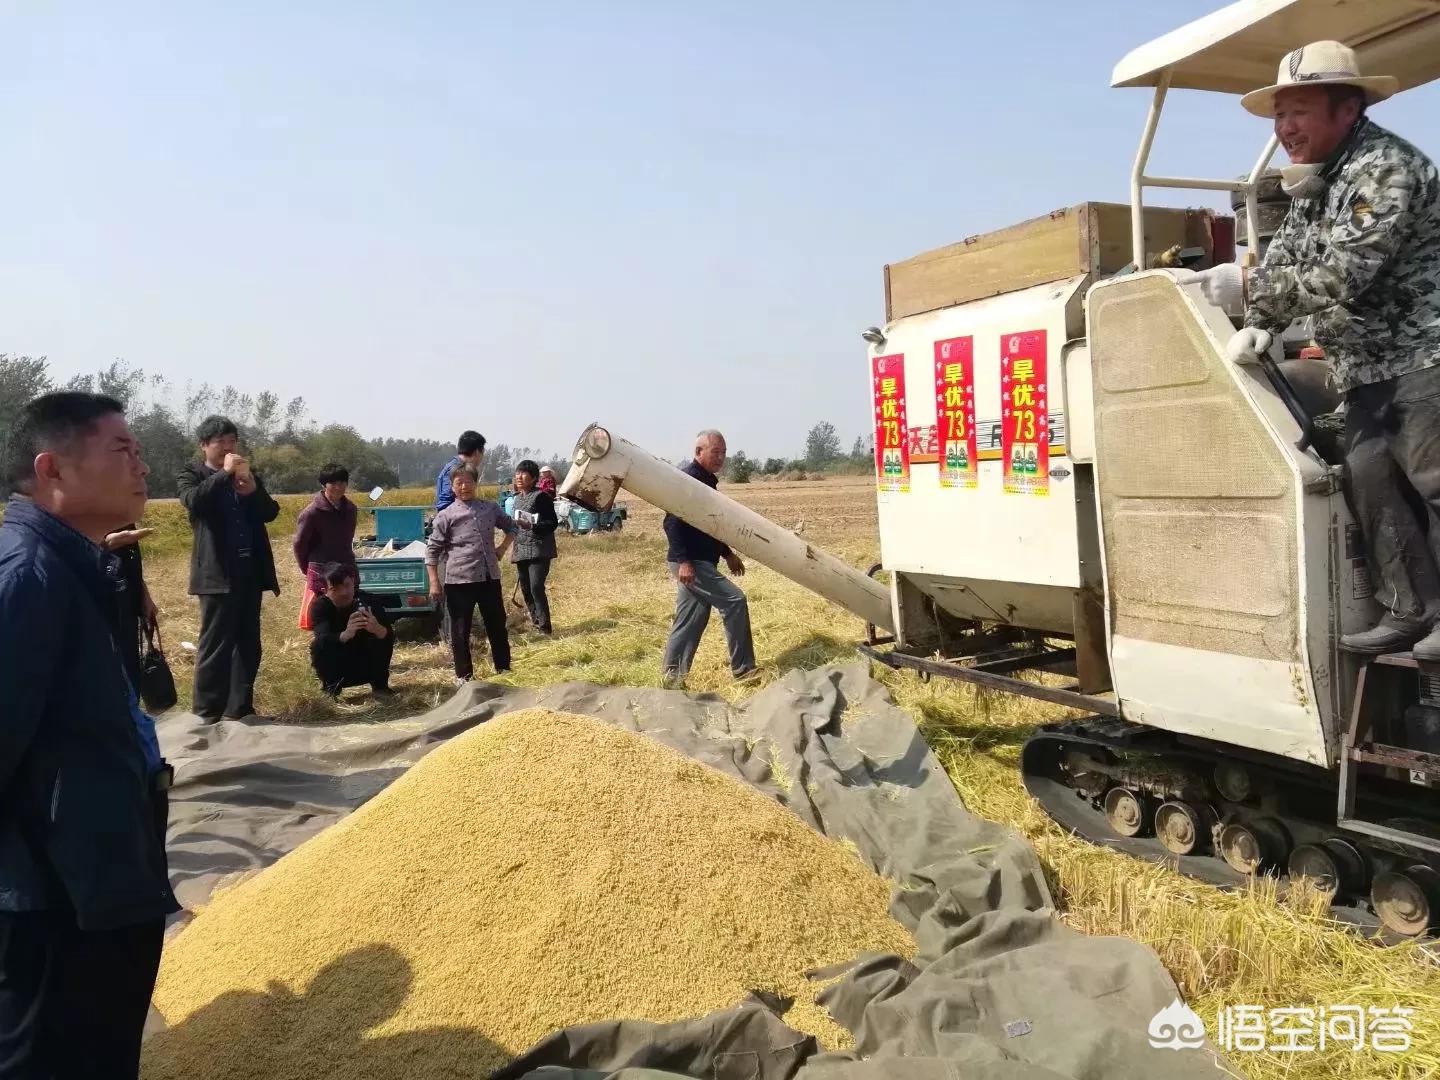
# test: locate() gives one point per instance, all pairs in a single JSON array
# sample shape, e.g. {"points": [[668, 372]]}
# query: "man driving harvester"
{"points": [[1359, 251]]}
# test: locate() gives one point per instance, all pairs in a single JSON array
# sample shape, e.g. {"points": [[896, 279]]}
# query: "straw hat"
{"points": [[1323, 63]]}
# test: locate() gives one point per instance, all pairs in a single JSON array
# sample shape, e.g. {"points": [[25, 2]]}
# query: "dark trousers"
{"points": [[461, 599], [532, 573], [364, 659], [228, 658], [1392, 458], [73, 1002]]}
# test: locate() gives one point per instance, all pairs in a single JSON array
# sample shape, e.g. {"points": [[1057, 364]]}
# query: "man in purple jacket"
{"points": [[325, 530]]}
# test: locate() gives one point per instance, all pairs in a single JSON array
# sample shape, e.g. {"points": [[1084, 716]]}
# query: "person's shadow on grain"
{"points": [[324, 1033]]}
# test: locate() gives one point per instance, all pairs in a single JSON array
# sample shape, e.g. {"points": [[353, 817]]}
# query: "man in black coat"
{"points": [[353, 643], [84, 888], [230, 566]]}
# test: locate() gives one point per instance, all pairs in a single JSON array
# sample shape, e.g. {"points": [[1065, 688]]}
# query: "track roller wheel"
{"points": [[1181, 828], [1407, 902], [1233, 781], [1254, 846], [1335, 866], [1126, 811]]}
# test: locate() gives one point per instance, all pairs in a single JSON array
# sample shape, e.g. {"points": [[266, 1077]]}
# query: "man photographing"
{"points": [[1359, 252], [84, 888], [231, 565], [353, 644]]}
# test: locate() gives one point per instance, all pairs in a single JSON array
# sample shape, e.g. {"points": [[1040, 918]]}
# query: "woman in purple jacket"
{"points": [[325, 535]]}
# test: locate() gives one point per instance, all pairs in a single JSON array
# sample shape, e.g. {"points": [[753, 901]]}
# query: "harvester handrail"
{"points": [[1236, 49], [1140, 180]]}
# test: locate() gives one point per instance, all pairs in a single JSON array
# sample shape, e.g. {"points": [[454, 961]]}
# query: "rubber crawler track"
{"points": [[1302, 797]]}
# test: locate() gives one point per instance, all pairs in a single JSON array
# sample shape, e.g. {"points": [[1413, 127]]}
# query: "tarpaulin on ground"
{"points": [[1000, 987]]}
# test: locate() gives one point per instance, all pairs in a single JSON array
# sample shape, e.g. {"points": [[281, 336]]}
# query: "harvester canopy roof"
{"points": [[1238, 48]]}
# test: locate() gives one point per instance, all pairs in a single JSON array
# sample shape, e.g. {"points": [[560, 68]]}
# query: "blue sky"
{"points": [[521, 218]]}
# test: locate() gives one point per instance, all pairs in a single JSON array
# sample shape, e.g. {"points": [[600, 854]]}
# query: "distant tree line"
{"points": [[823, 454], [289, 449], [278, 437]]}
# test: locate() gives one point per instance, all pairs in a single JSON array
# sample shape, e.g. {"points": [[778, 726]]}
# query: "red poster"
{"points": [[892, 443], [955, 412], [1025, 423]]}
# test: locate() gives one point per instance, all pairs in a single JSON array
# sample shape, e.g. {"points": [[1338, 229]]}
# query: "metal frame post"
{"points": [[1140, 180]]}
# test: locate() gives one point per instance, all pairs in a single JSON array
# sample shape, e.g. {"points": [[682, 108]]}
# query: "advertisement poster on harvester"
{"points": [[892, 439], [1025, 417], [955, 412]]}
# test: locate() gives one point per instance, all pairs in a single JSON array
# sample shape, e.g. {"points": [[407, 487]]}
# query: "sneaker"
{"points": [[1427, 649], [381, 691], [1387, 636], [672, 680], [461, 680], [749, 675]]}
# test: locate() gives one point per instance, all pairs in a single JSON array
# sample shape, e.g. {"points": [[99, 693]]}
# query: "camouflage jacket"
{"points": [[1364, 260]]}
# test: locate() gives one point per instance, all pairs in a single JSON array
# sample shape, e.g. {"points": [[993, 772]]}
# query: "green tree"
{"points": [[822, 446], [286, 468], [22, 380], [345, 446], [167, 448], [415, 461], [739, 468], [498, 466], [264, 418]]}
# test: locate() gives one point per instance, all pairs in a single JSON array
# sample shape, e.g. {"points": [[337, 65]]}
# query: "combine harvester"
{"points": [[1073, 479]]}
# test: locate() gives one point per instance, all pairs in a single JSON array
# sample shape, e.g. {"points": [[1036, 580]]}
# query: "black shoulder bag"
{"points": [[157, 685]]}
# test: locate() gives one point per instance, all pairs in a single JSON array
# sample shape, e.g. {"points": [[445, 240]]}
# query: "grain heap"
{"points": [[544, 870]]}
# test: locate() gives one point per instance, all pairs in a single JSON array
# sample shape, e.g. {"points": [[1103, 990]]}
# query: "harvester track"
{"points": [[1290, 805]]}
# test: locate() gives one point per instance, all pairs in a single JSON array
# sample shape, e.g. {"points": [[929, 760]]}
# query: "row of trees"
{"points": [[277, 436], [289, 449], [823, 453]]}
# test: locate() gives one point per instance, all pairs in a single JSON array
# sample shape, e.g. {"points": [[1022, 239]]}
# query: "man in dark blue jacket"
{"points": [[469, 450], [693, 557], [84, 888]]}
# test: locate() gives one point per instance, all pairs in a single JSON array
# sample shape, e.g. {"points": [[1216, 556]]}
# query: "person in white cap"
{"points": [[1359, 251]]}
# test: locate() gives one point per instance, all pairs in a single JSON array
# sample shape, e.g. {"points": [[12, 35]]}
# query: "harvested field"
{"points": [[542, 871], [612, 606]]}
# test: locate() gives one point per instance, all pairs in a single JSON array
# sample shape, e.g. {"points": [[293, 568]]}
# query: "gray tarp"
{"points": [[999, 988]]}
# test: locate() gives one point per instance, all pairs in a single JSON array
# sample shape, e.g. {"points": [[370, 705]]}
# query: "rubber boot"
{"points": [[1387, 636]]}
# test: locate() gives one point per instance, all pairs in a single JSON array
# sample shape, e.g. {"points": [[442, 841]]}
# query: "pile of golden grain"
{"points": [[544, 870]]}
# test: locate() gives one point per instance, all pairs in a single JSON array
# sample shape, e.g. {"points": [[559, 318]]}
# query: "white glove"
{"points": [[1224, 286], [1247, 345]]}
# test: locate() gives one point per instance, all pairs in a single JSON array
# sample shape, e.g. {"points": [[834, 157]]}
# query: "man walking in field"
{"points": [[693, 557]]}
